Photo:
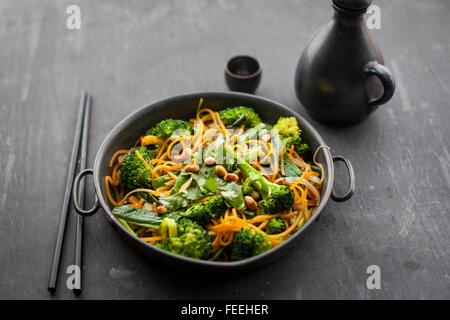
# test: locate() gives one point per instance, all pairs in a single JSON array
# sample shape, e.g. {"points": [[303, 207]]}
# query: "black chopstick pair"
{"points": [[80, 140]]}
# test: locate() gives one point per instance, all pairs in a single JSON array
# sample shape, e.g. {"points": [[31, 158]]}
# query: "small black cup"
{"points": [[243, 73]]}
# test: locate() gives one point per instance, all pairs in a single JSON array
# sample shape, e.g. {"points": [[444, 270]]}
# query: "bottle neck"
{"points": [[348, 16]]}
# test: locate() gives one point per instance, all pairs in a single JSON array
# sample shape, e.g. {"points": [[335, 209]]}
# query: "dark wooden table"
{"points": [[128, 54]]}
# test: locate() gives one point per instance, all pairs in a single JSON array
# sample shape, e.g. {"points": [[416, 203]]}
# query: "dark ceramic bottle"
{"points": [[340, 78]]}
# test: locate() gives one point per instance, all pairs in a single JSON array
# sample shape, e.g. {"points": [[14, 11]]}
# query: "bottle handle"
{"points": [[387, 79]]}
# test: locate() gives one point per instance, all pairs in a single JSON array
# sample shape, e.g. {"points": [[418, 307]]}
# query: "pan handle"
{"points": [[351, 176], [77, 206]]}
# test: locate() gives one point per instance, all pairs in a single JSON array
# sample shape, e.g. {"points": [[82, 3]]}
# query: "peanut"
{"points": [[210, 161], [221, 171], [192, 168], [250, 203], [254, 195], [231, 177], [161, 210]]}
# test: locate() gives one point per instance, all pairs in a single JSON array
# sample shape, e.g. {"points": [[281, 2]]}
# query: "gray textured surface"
{"points": [[132, 53]]}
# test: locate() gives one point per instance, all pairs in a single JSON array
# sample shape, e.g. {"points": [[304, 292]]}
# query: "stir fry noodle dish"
{"points": [[223, 186]]}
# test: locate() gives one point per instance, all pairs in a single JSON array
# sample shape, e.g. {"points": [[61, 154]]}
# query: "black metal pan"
{"points": [[128, 130]]}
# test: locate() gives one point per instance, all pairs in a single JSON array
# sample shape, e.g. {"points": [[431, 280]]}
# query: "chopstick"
{"points": [[67, 195], [80, 219]]}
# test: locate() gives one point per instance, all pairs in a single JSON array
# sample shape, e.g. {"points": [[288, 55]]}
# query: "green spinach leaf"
{"points": [[182, 179], [290, 169], [137, 216]]}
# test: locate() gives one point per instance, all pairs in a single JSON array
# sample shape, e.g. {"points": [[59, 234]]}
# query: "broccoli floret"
{"points": [[290, 134], [247, 244], [134, 173], [166, 128], [247, 187], [240, 115], [299, 147], [275, 226], [191, 240], [287, 127], [275, 198], [204, 211]]}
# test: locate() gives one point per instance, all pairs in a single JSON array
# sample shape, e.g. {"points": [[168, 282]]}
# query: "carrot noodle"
{"points": [[152, 239], [208, 127], [151, 140], [113, 158]]}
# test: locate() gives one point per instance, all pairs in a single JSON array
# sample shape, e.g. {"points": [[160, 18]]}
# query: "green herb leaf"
{"points": [[126, 225], [174, 202], [210, 185], [148, 197], [206, 179], [232, 193], [182, 178], [137, 216], [316, 168], [160, 181], [194, 194], [290, 169]]}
